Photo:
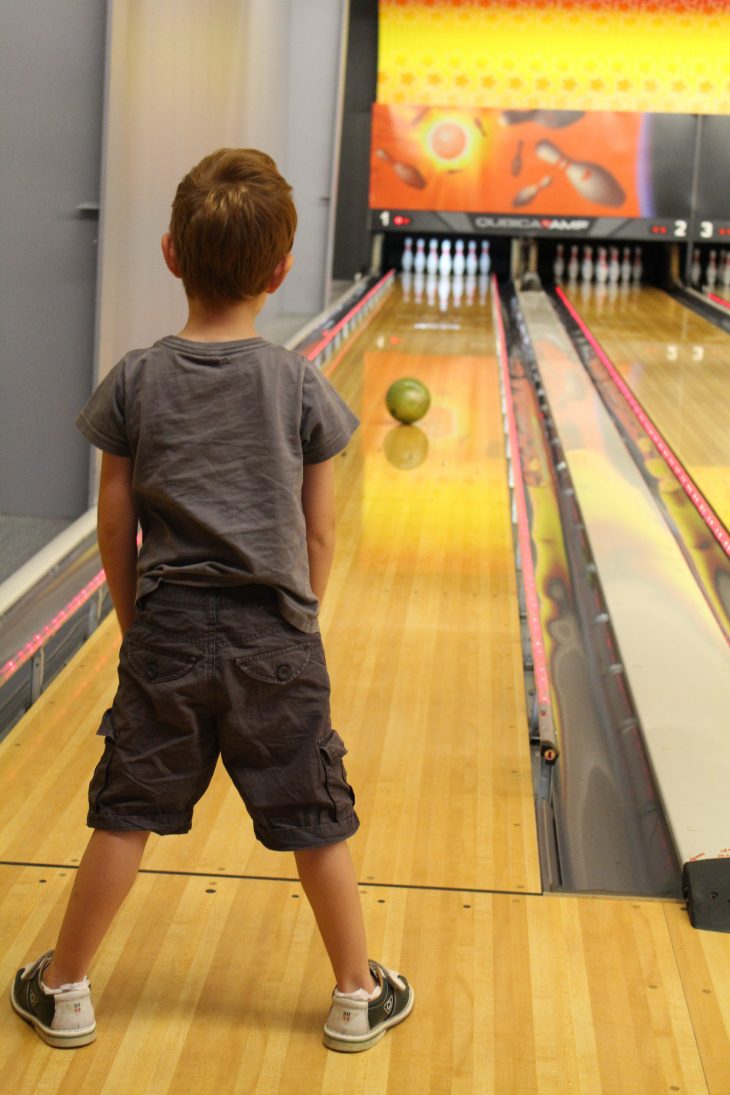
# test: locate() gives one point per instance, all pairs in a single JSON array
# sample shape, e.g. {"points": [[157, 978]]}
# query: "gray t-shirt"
{"points": [[219, 433]]}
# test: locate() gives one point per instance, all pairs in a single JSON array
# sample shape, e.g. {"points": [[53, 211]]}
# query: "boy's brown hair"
{"points": [[233, 221]]}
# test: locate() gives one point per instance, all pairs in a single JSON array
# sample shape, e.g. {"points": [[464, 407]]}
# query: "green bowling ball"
{"points": [[407, 400]]}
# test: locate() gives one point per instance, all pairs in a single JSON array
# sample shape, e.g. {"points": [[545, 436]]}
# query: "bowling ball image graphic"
{"points": [[407, 400], [406, 447]]}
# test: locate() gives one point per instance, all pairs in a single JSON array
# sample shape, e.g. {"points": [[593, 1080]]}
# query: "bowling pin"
{"points": [[457, 289], [712, 270], [406, 262], [485, 260], [419, 259], [445, 259], [432, 259], [726, 270], [444, 288], [696, 268], [602, 266], [586, 270], [614, 267], [573, 264], [559, 263], [517, 159], [459, 267], [431, 286], [472, 262], [637, 268], [590, 180], [626, 265]]}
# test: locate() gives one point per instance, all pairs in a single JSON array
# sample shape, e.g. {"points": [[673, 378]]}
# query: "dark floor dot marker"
{"points": [[41, 881], [466, 906], [295, 897], [210, 891], [381, 900]]}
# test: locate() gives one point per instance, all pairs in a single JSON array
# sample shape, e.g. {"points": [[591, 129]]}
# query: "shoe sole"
{"points": [[356, 1045], [52, 1037]]}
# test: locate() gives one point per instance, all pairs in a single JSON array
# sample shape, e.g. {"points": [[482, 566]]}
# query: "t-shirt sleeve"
{"points": [[327, 422], [101, 420]]}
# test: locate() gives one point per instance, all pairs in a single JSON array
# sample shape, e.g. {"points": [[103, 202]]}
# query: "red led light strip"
{"points": [[534, 623], [315, 350], [691, 489], [26, 652], [719, 300]]}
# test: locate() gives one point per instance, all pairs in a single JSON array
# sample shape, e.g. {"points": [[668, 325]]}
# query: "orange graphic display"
{"points": [[509, 161]]}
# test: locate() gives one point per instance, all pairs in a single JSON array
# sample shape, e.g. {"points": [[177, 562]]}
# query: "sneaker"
{"points": [[356, 1022], [62, 1017]]}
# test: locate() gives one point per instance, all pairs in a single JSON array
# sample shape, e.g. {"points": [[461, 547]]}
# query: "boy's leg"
{"points": [[328, 877], [107, 870]]}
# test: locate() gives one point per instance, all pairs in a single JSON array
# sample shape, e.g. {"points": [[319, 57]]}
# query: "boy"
{"points": [[220, 445]]}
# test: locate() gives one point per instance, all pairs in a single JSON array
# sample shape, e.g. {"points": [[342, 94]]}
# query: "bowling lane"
{"points": [[676, 364], [422, 637]]}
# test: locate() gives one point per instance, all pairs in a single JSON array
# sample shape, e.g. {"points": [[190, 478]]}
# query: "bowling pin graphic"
{"points": [[586, 269], [472, 262], [712, 270], [696, 268], [602, 266], [573, 264], [445, 259], [406, 172], [590, 180], [459, 266], [406, 262], [559, 263], [637, 268], [432, 259], [485, 260], [419, 259], [529, 193], [517, 159]]}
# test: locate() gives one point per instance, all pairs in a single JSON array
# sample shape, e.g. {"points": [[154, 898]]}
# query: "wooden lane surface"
{"points": [[676, 363], [422, 635], [226, 992]]}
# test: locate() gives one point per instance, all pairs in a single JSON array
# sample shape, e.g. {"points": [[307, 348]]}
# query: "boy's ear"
{"points": [[168, 251], [282, 269]]}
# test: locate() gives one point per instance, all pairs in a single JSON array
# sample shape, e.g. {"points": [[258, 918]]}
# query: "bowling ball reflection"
{"points": [[406, 447]]}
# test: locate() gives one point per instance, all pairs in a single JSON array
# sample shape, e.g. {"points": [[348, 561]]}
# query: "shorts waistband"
{"points": [[246, 594]]}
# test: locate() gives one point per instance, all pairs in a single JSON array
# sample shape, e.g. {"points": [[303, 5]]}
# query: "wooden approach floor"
{"points": [[213, 978]]}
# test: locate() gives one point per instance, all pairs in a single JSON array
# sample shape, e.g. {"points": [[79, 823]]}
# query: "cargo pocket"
{"points": [[156, 665], [100, 778], [278, 666], [340, 793]]}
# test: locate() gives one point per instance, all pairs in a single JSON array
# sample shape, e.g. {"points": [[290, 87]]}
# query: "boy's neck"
{"points": [[231, 323]]}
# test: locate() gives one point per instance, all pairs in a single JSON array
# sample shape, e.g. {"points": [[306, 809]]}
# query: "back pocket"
{"points": [[156, 665], [278, 666]]}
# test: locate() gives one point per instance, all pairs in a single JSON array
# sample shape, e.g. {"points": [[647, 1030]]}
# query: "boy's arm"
{"points": [[318, 503], [117, 534]]}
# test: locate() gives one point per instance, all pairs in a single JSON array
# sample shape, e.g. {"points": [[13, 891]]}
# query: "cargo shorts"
{"points": [[205, 672]]}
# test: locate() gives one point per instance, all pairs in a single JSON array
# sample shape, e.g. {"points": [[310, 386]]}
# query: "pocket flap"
{"points": [[277, 666], [333, 746], [106, 727]]}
